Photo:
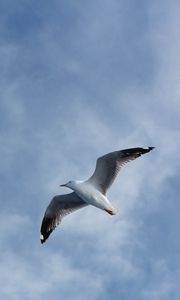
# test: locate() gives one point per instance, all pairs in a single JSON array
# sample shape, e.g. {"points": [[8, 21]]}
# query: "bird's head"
{"points": [[70, 184]]}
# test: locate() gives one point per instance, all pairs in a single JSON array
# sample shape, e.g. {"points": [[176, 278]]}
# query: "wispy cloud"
{"points": [[79, 80]]}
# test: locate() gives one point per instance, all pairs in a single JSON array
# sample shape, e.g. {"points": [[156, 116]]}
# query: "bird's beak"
{"points": [[62, 184]]}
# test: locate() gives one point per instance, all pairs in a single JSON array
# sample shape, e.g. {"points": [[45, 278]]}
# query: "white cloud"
{"points": [[163, 283], [93, 249], [36, 272], [21, 278]]}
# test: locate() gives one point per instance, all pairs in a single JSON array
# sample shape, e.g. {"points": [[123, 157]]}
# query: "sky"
{"points": [[80, 79]]}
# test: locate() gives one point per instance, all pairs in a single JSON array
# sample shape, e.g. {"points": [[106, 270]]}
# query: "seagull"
{"points": [[89, 192]]}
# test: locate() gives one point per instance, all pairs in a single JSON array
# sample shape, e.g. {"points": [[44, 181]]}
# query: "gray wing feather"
{"points": [[108, 166], [59, 207]]}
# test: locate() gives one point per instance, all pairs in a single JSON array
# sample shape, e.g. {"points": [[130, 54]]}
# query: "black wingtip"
{"points": [[46, 229], [150, 148], [42, 238], [45, 236], [146, 150], [42, 241]]}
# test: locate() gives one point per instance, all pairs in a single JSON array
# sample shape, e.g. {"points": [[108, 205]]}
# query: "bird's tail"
{"points": [[112, 211]]}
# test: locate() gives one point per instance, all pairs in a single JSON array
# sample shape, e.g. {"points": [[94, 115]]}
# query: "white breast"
{"points": [[92, 196]]}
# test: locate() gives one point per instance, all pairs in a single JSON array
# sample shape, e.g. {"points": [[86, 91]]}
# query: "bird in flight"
{"points": [[89, 192]]}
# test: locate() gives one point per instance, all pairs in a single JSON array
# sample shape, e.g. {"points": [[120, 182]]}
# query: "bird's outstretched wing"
{"points": [[59, 207], [108, 166]]}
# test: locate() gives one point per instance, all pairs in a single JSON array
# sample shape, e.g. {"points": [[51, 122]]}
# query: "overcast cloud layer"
{"points": [[79, 79]]}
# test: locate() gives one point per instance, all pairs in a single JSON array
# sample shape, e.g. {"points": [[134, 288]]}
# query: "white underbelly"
{"points": [[94, 197]]}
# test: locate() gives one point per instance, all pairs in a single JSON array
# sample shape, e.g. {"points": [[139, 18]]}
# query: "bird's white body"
{"points": [[86, 191]]}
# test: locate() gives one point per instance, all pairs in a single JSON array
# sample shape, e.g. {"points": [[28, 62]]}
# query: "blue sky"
{"points": [[79, 79]]}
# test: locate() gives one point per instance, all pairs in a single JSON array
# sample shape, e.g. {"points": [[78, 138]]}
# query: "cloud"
{"points": [[74, 89], [30, 271], [164, 283], [20, 279]]}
